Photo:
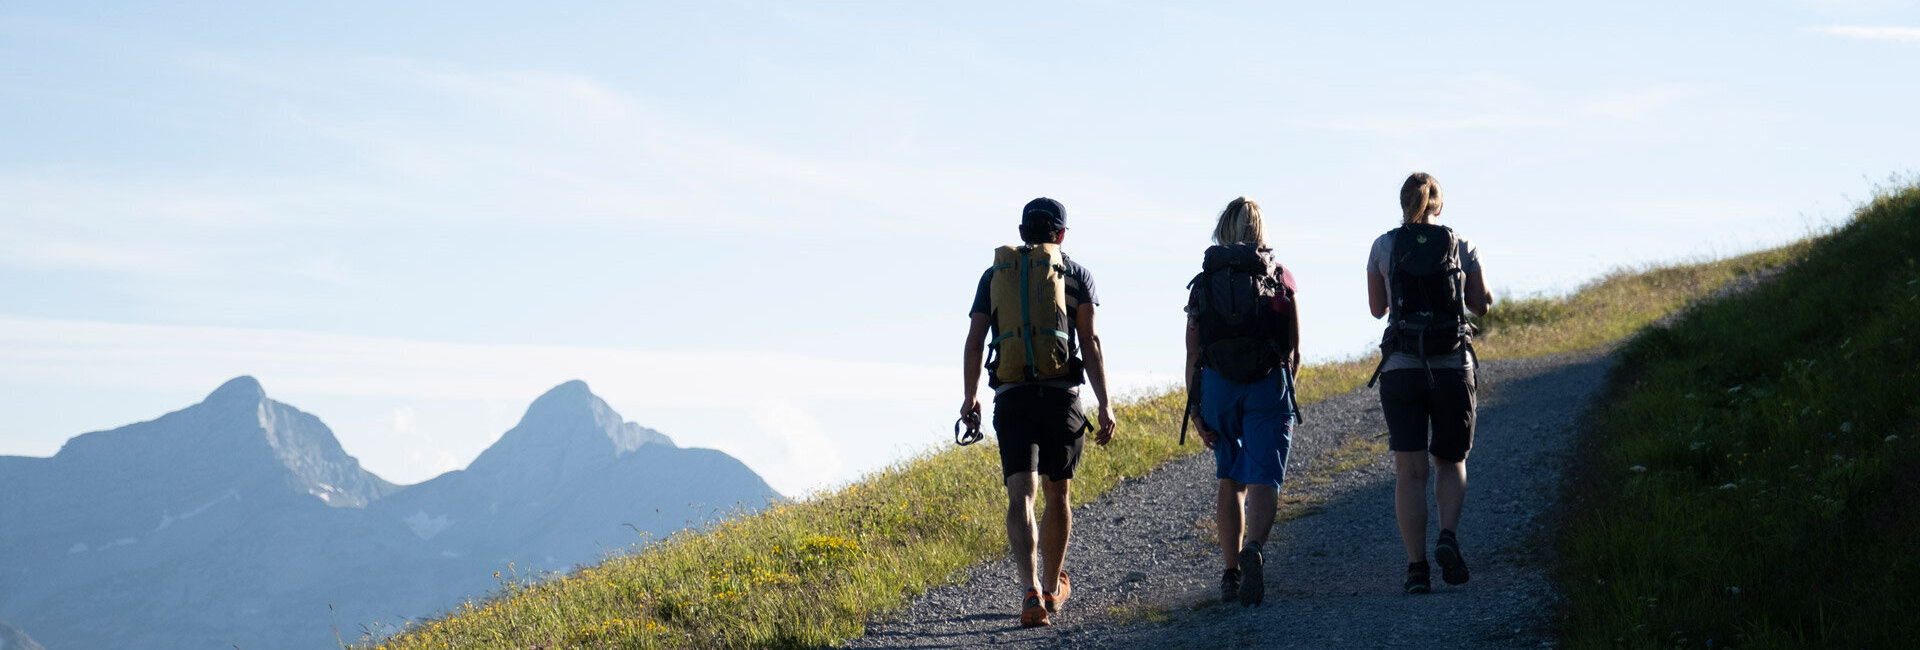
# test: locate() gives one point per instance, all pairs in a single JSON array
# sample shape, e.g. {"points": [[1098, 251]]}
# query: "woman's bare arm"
{"points": [[1377, 294]]}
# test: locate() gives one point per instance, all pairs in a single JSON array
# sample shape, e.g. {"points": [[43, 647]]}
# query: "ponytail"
{"points": [[1419, 198]]}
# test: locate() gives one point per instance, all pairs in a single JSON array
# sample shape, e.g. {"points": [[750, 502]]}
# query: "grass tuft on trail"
{"points": [[1754, 482], [811, 573]]}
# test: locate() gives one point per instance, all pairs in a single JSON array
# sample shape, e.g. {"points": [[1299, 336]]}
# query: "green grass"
{"points": [[1601, 312], [1138, 612], [1613, 307], [811, 573], [1754, 481], [795, 575]]}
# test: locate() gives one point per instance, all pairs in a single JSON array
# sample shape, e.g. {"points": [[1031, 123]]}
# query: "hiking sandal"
{"points": [[1053, 599], [1032, 613]]}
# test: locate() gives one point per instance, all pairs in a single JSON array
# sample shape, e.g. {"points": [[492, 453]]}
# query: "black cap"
{"points": [[1044, 213]]}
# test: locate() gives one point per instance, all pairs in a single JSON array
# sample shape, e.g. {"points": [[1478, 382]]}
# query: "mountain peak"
{"points": [[564, 428], [242, 388], [570, 396], [236, 439], [571, 406]]}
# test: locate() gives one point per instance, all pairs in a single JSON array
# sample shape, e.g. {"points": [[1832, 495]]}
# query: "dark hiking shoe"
{"points": [[1419, 578], [1053, 599], [1032, 613], [1253, 586], [1229, 585], [1453, 567]]}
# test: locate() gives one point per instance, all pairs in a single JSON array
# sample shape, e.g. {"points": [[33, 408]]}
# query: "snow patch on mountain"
{"points": [[426, 527]]}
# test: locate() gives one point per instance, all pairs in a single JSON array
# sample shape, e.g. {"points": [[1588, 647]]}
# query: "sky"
{"points": [[754, 226]]}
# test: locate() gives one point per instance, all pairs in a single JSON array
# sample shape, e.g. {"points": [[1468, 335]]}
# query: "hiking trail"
{"points": [[1145, 568]]}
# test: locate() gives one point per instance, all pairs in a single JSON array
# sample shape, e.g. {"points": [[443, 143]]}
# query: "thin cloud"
{"points": [[83, 353], [807, 455], [1641, 104], [1486, 102], [1895, 34], [453, 146]]}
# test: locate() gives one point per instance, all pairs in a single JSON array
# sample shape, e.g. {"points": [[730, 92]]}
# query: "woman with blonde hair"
{"points": [[1243, 342], [1425, 279]]}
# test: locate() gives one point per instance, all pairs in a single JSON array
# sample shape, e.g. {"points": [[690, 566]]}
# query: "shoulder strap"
{"points": [[1395, 253], [1453, 255]]}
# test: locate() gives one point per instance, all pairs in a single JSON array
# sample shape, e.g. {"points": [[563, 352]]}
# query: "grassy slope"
{"points": [[810, 573], [1756, 481]]}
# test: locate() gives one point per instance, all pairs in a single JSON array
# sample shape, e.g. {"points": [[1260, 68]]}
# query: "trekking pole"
{"points": [[1186, 410], [1185, 414]]}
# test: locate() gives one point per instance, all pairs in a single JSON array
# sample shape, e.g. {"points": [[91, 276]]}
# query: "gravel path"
{"points": [[1145, 570]]}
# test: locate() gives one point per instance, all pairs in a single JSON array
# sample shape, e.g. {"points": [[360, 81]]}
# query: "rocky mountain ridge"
{"points": [[241, 521]]}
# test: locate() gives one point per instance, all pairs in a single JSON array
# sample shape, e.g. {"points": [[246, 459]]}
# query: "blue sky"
{"points": [[754, 226]]}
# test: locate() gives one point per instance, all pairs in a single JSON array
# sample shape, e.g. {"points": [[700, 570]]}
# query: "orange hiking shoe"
{"points": [[1055, 598], [1032, 613]]}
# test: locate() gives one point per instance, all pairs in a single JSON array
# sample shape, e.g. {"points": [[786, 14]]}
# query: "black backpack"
{"points": [[1241, 335], [1429, 290]]}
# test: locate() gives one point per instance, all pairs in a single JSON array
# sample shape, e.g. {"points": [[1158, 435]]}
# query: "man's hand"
{"points": [[1106, 426], [970, 407]]}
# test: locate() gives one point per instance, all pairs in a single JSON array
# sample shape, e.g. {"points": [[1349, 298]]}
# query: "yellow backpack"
{"points": [[1029, 302]]}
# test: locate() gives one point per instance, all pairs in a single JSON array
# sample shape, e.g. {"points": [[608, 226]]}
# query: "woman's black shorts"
{"points": [[1410, 404], [1041, 429]]}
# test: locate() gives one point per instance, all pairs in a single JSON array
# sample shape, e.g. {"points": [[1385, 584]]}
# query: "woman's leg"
{"points": [[1455, 412], [1263, 503], [1226, 518], [1410, 501], [1268, 434], [1449, 491]]}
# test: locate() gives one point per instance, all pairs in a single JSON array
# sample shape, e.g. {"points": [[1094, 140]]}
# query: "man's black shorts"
{"points": [[1410, 403], [1041, 429]]}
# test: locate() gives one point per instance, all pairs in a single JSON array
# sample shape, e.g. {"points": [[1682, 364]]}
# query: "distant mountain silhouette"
{"points": [[240, 520]]}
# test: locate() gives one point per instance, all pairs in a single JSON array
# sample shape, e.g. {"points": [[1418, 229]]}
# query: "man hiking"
{"points": [[1425, 278], [1038, 305]]}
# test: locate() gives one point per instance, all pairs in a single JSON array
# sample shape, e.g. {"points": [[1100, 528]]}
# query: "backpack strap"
{"points": [[1393, 315], [1293, 395], [1026, 309], [993, 347]]}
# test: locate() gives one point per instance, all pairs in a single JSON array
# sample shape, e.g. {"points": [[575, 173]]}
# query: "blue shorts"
{"points": [[1255, 423]]}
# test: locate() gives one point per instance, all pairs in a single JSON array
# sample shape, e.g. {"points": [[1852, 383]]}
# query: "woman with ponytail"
{"points": [[1425, 279]]}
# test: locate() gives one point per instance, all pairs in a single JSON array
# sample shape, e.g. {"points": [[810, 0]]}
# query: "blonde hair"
{"points": [[1240, 223], [1419, 198]]}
